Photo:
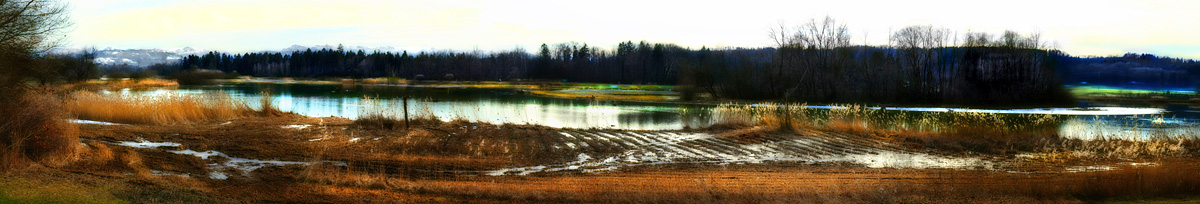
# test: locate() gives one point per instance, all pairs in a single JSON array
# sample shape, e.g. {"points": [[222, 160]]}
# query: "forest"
{"points": [[812, 62]]}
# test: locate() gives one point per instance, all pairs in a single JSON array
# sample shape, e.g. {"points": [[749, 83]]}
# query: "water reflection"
{"points": [[1146, 127], [513, 107]]}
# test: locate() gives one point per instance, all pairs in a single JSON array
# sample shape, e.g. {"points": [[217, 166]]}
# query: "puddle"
{"points": [[298, 127], [78, 121], [911, 160], [147, 144], [1095, 168], [217, 170]]}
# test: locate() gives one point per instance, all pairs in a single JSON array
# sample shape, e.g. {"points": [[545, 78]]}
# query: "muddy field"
{"points": [[294, 158]]}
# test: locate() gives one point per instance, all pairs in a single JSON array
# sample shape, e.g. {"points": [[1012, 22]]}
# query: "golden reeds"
{"points": [[163, 109]]}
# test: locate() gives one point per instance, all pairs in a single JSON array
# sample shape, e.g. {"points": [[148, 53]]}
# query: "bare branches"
{"points": [[29, 25], [824, 34], [923, 36], [1010, 39]]}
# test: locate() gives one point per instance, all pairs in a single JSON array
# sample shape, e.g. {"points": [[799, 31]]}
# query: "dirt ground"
{"points": [[332, 160]]}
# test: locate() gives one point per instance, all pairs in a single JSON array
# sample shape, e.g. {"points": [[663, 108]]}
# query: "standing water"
{"points": [[499, 106]]}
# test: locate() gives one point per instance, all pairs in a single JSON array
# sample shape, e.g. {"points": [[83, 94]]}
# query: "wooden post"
{"points": [[405, 111]]}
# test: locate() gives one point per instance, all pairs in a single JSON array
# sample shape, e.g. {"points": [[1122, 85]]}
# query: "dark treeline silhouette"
{"points": [[814, 62], [641, 63], [1133, 71], [66, 67]]}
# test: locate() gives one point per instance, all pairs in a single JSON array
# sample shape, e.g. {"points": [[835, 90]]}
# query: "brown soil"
{"points": [[416, 165]]}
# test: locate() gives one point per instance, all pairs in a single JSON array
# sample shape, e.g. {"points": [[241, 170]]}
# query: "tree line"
{"points": [[812, 62]]}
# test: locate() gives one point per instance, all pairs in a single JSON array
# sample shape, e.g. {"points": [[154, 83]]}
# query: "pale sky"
{"points": [[1077, 27]]}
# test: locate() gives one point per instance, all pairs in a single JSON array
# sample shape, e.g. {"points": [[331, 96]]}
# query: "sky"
{"points": [[1082, 28]]}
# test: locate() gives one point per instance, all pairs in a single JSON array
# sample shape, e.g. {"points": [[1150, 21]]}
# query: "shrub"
{"points": [[143, 74], [32, 129], [118, 75], [198, 77]]}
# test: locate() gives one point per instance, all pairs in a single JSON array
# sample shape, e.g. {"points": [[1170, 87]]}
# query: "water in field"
{"points": [[515, 107]]}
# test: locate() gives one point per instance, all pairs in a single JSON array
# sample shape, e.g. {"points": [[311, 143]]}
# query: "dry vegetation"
{"points": [[387, 161], [954, 132], [33, 131], [163, 109]]}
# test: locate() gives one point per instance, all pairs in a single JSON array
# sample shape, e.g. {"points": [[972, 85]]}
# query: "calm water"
{"points": [[512, 106]]}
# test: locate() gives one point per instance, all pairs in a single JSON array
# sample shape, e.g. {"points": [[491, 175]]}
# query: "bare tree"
{"points": [[27, 29], [30, 25], [809, 57], [977, 39], [921, 48]]}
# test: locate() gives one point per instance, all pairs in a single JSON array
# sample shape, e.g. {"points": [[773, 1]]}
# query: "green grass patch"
{"points": [[15, 189], [1092, 92]]}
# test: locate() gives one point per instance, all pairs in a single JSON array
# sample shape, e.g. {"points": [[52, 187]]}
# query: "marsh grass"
{"points": [[164, 109], [857, 118], [956, 131], [966, 131], [378, 114]]}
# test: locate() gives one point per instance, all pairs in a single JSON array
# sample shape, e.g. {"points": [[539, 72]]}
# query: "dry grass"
{"points": [[115, 84], [955, 131], [152, 82], [32, 129], [1119, 149], [952, 131], [430, 144], [811, 184], [380, 115], [163, 109]]}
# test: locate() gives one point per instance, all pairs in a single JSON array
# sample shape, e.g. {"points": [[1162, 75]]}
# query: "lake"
{"points": [[515, 107]]}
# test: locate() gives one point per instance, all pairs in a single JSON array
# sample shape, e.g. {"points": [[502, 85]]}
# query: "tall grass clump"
{"points": [[265, 107], [163, 109], [32, 129], [375, 113]]}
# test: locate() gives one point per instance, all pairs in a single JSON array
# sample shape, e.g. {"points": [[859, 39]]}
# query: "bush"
{"points": [[198, 77], [32, 129], [143, 74], [118, 76]]}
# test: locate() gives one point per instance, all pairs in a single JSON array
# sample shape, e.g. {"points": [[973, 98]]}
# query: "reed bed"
{"points": [[376, 113], [164, 109], [857, 118], [1058, 136]]}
